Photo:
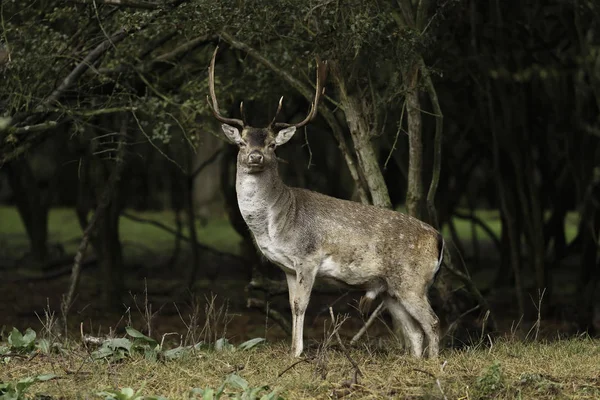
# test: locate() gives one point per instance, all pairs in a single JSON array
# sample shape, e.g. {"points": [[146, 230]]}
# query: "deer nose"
{"points": [[255, 157]]}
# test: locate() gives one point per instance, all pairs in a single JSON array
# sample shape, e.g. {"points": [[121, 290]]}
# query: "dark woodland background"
{"points": [[479, 117]]}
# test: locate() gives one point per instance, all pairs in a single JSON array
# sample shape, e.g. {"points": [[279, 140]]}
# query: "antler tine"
{"points": [[277, 112], [214, 105], [242, 112], [319, 90]]}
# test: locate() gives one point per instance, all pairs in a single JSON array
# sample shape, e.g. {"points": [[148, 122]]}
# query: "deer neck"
{"points": [[261, 198]]}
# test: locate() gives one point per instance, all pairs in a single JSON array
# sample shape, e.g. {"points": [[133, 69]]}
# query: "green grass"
{"points": [[64, 228], [507, 369], [492, 219]]}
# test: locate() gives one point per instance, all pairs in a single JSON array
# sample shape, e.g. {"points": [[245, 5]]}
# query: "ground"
{"points": [[502, 369], [513, 364]]}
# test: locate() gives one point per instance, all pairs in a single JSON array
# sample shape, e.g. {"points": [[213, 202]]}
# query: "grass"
{"points": [[507, 369], [64, 228], [217, 232]]}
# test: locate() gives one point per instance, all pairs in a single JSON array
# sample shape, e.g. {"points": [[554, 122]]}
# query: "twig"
{"points": [[125, 3], [357, 371], [306, 360], [367, 324], [253, 302]]}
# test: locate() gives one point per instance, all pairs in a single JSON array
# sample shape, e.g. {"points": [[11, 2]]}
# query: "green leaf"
{"points": [[118, 343], [45, 377], [223, 344], [15, 339], [271, 396], [24, 383], [176, 353], [127, 392], [102, 352], [44, 346], [208, 394], [150, 354], [250, 343], [236, 380], [139, 335], [29, 337]]}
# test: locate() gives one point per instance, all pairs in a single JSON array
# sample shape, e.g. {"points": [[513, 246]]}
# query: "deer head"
{"points": [[257, 145]]}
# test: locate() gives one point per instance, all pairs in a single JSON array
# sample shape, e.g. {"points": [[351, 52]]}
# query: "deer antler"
{"points": [[214, 106], [319, 90]]}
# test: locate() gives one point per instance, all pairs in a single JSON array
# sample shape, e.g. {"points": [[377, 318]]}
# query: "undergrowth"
{"points": [[135, 366]]}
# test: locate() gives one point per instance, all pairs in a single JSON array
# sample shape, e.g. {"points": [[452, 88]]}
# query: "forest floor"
{"points": [[505, 364], [489, 369]]}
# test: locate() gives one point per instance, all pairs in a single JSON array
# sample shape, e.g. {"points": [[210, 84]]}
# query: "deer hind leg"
{"points": [[299, 285], [419, 308], [406, 325]]}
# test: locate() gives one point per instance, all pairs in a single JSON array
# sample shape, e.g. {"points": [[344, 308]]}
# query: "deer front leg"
{"points": [[300, 285]]}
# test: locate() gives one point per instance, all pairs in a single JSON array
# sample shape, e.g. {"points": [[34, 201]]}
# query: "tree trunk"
{"points": [[361, 132], [32, 205], [414, 195]]}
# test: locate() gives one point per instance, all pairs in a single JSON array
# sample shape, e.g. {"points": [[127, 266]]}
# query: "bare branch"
{"points": [[144, 5], [84, 65], [307, 92]]}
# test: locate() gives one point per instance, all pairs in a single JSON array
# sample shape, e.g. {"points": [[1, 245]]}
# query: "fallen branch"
{"points": [[367, 324]]}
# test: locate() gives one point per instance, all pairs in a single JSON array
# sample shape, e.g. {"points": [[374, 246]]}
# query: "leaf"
{"points": [[250, 343], [150, 354], [45, 377], [223, 344], [236, 380], [29, 337], [24, 383], [15, 339], [127, 392], [44, 346], [271, 396], [118, 343], [102, 352], [208, 394], [176, 353], [134, 333]]}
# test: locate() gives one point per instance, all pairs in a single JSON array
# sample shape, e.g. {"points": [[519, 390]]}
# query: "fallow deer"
{"points": [[311, 235]]}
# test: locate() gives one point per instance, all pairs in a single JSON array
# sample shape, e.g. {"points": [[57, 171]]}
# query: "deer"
{"points": [[310, 235]]}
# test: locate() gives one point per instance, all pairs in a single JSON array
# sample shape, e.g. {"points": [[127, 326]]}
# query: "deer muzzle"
{"points": [[256, 158]]}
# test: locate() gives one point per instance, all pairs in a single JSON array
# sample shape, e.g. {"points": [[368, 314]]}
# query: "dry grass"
{"points": [[567, 368]]}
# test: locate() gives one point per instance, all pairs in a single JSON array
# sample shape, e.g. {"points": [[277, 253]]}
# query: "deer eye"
{"points": [[272, 146]]}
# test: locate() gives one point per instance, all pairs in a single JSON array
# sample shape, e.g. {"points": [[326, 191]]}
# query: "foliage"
{"points": [[236, 383], [17, 390], [127, 394], [491, 381], [117, 349]]}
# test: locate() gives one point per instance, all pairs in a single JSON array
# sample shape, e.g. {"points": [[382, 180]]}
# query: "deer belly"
{"points": [[350, 274]]}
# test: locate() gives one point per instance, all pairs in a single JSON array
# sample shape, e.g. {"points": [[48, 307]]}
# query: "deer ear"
{"points": [[232, 133], [284, 135]]}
